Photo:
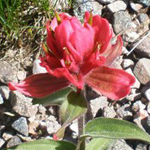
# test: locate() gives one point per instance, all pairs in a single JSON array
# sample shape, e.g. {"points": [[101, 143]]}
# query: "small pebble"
{"points": [[21, 75], [21, 126], [135, 6], [5, 92], [6, 136], [1, 99], [15, 140], [117, 6]]}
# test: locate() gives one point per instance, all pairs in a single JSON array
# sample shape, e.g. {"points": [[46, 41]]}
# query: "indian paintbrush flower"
{"points": [[79, 54]]}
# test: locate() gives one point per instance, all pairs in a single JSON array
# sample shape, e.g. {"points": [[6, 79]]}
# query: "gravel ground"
{"points": [[22, 121]]}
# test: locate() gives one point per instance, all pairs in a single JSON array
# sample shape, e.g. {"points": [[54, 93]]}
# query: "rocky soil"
{"points": [[21, 121]]}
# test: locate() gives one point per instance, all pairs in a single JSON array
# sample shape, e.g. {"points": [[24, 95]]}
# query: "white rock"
{"points": [[21, 75], [1, 142], [137, 83], [127, 63], [130, 36], [74, 126], [142, 70], [1, 99], [133, 97], [109, 112], [6, 136], [52, 125], [37, 68], [117, 6], [136, 6], [124, 111], [124, 50], [98, 103], [147, 94], [5, 92], [148, 107], [139, 104]]}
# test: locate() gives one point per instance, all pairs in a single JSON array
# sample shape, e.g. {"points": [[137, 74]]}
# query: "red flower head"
{"points": [[79, 54]]}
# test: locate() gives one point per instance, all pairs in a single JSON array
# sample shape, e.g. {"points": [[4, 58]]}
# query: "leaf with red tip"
{"points": [[113, 83], [39, 85]]}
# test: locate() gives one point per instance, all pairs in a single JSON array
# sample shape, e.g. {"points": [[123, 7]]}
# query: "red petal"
{"points": [[113, 51], [51, 41], [103, 32], [83, 40], [113, 83], [62, 34], [39, 85], [76, 80]]}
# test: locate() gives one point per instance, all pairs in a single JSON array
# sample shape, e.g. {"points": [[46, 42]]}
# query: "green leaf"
{"points": [[54, 99], [99, 144], [73, 108], [115, 129], [44, 145]]}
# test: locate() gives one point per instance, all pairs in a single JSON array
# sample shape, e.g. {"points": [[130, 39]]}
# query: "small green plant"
{"points": [[10, 15]]}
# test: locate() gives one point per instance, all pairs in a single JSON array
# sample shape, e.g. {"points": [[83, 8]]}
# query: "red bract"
{"points": [[79, 54]]}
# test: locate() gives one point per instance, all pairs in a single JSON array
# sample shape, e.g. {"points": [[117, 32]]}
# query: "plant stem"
{"points": [[81, 126]]}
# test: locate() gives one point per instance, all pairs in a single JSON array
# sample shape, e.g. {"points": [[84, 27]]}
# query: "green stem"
{"points": [[81, 126]]}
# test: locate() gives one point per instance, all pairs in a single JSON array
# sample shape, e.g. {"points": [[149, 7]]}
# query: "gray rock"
{"points": [[145, 2], [122, 20], [22, 105], [15, 140], [127, 63], [143, 49], [109, 112], [143, 17], [21, 126], [1, 99], [1, 142], [130, 35], [7, 72], [52, 125], [97, 104], [124, 111], [81, 7], [4, 90], [117, 6], [142, 70], [120, 145]]}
